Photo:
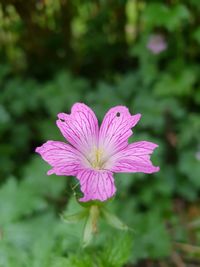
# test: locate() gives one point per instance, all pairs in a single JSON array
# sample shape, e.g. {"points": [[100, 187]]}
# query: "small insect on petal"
{"points": [[118, 114]]}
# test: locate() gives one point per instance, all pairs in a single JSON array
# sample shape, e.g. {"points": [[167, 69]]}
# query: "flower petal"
{"points": [[116, 129], [64, 159], [96, 185], [134, 158], [80, 128]]}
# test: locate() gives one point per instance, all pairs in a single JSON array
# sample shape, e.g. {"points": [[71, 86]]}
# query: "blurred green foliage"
{"points": [[55, 53]]}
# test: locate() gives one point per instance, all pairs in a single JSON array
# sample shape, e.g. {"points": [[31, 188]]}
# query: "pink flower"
{"points": [[94, 154], [157, 43]]}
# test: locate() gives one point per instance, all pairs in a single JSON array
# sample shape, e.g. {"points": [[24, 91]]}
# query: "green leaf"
{"points": [[180, 84]]}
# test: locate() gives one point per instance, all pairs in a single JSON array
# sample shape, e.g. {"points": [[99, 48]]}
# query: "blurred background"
{"points": [[142, 54]]}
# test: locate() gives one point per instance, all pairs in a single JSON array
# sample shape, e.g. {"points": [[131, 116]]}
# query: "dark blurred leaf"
{"points": [[169, 17]]}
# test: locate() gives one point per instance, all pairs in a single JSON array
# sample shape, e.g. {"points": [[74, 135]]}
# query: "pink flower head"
{"points": [[157, 43], [93, 154]]}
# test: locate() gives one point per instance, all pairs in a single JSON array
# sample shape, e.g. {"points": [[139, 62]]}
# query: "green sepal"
{"points": [[90, 203], [74, 218], [113, 220], [91, 225], [87, 233]]}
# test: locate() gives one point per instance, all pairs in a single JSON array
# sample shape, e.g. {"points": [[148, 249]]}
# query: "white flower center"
{"points": [[97, 159]]}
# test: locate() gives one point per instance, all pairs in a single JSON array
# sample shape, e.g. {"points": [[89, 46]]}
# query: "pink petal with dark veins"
{"points": [[64, 159], [135, 158], [116, 129], [96, 185], [80, 128]]}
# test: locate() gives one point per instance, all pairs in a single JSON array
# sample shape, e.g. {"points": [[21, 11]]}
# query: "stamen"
{"points": [[97, 161]]}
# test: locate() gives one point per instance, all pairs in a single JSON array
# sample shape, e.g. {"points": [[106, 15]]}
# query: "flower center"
{"points": [[97, 162]]}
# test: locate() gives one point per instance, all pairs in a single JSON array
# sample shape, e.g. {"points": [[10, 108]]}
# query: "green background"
{"points": [[54, 53]]}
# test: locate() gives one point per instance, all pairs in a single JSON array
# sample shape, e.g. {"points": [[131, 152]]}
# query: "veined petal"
{"points": [[134, 158], [116, 129], [64, 159], [80, 128], [96, 185]]}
